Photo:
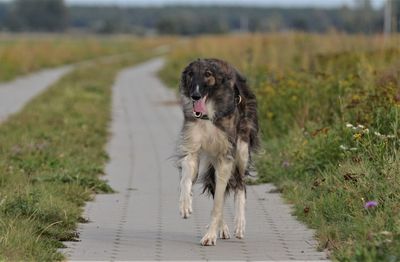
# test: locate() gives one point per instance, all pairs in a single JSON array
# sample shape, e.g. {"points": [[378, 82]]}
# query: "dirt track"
{"points": [[15, 94]]}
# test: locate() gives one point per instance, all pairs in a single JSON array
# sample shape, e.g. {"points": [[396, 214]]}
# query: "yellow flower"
{"points": [[357, 136]]}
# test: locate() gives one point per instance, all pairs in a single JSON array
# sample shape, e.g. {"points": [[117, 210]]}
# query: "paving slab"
{"points": [[15, 94], [141, 221]]}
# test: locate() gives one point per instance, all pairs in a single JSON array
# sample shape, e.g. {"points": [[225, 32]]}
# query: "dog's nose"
{"points": [[196, 96]]}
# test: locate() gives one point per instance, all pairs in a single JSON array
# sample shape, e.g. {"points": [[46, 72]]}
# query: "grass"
{"points": [[329, 109], [52, 156], [22, 54]]}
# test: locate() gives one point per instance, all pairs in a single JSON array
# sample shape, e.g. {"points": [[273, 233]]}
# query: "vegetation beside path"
{"points": [[22, 54], [52, 156], [329, 109]]}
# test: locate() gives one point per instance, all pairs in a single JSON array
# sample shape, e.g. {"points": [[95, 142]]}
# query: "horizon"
{"points": [[242, 3]]}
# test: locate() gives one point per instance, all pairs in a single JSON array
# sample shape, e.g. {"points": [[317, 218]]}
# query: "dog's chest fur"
{"points": [[203, 135]]}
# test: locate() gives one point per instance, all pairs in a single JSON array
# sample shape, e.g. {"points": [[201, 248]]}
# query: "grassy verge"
{"points": [[52, 155], [329, 108], [22, 54]]}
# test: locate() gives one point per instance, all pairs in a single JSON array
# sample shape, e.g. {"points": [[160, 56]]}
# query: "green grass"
{"points": [[52, 156], [309, 88]]}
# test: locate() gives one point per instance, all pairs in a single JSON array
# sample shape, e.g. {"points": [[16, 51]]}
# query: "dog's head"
{"points": [[208, 88]]}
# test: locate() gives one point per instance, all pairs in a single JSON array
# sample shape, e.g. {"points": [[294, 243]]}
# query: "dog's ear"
{"points": [[184, 76], [221, 70], [239, 85]]}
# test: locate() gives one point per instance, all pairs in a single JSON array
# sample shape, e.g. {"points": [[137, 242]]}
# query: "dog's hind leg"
{"points": [[189, 171], [240, 220], [223, 173], [242, 158]]}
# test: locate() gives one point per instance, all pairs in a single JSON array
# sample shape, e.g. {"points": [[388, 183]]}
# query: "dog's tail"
{"points": [[236, 181]]}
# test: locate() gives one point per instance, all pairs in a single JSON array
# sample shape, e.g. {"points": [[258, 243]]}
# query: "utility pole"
{"points": [[387, 25]]}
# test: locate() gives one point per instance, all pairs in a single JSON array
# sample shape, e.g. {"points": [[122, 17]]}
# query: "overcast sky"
{"points": [[285, 3], [282, 3]]}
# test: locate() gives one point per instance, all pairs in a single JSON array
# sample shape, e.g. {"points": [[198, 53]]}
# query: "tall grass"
{"points": [[27, 53], [329, 113]]}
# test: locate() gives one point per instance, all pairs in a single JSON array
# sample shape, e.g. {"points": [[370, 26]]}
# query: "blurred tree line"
{"points": [[55, 16]]}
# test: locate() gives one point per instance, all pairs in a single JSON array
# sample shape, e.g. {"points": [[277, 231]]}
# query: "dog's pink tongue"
{"points": [[199, 106]]}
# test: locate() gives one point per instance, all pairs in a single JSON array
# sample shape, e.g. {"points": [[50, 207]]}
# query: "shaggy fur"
{"points": [[221, 141]]}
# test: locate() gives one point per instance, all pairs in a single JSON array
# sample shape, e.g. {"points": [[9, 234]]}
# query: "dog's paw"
{"points": [[209, 239], [185, 206], [240, 225], [224, 232]]}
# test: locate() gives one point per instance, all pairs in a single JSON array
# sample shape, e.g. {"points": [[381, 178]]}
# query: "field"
{"points": [[329, 109], [27, 53], [52, 153]]}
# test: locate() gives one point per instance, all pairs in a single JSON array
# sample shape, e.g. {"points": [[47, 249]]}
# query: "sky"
{"points": [[280, 3]]}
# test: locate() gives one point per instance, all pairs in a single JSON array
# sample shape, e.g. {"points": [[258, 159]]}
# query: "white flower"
{"points": [[353, 149], [361, 126], [349, 125], [366, 131], [377, 134], [343, 147], [390, 136]]}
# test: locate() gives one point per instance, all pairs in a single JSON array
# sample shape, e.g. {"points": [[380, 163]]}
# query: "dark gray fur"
{"points": [[237, 120]]}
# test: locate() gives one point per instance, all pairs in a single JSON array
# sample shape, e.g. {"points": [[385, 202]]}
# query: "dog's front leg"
{"points": [[223, 173], [189, 169]]}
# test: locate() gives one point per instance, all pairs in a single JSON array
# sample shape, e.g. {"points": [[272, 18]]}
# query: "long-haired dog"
{"points": [[219, 134]]}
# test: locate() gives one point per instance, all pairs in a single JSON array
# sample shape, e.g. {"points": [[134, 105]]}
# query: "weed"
{"points": [[329, 116], [52, 155]]}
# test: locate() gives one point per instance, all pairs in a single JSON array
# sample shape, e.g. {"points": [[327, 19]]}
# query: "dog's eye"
{"points": [[207, 74]]}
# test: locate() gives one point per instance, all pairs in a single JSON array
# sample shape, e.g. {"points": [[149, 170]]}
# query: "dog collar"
{"points": [[204, 117]]}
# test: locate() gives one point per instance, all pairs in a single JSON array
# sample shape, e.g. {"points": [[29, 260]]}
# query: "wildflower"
{"points": [[370, 204], [361, 126], [349, 125], [357, 136], [285, 164], [366, 131], [353, 149], [343, 147], [386, 233], [390, 136], [377, 134]]}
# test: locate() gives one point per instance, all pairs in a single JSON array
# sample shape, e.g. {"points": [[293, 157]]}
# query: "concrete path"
{"points": [[15, 94], [142, 222]]}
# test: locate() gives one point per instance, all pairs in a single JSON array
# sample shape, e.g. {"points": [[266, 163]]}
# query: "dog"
{"points": [[219, 135]]}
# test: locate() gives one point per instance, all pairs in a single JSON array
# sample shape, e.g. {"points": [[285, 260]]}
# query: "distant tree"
{"points": [[364, 18], [396, 13], [3, 13], [38, 15]]}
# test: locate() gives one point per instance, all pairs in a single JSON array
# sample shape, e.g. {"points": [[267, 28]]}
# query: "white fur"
{"points": [[210, 109], [240, 220], [242, 158], [242, 155], [223, 170], [189, 167], [204, 138]]}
